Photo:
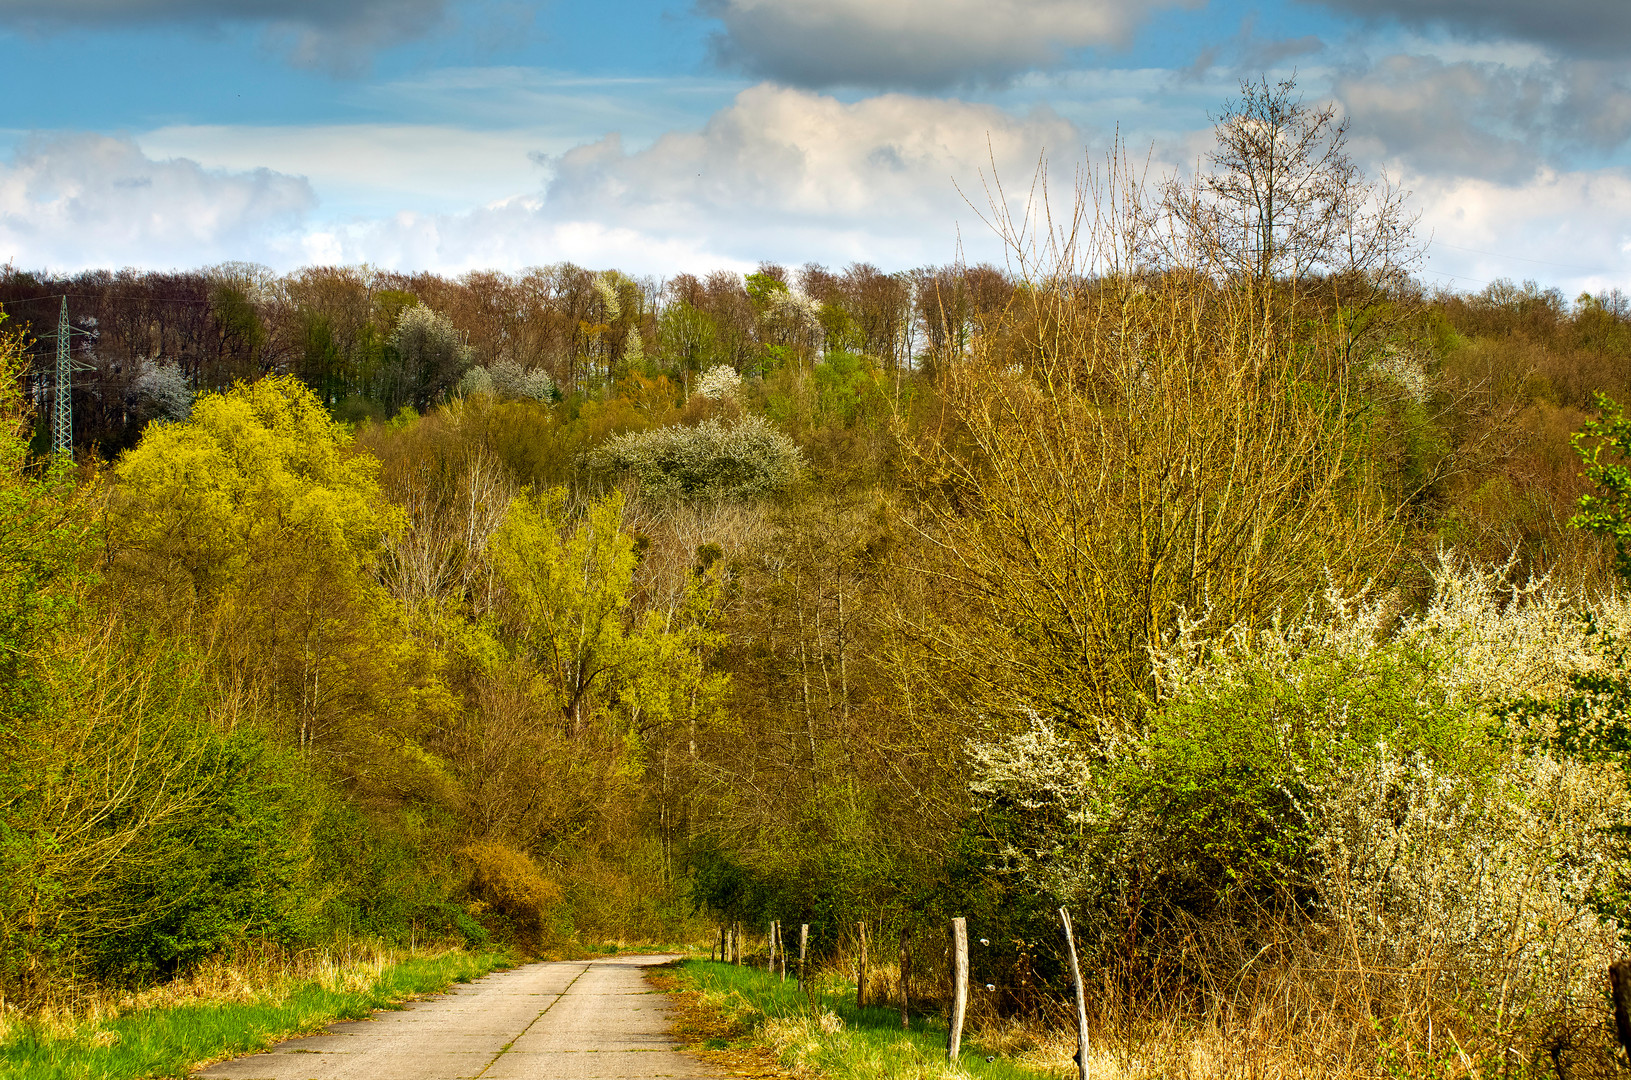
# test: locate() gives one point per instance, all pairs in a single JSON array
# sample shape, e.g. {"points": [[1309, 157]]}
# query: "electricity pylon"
{"points": [[62, 421]]}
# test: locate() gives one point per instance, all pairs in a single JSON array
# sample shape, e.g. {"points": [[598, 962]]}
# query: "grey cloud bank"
{"points": [[336, 34], [1574, 27], [915, 44]]}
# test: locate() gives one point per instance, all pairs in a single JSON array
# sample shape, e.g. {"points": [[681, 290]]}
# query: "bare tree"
{"points": [[1285, 201]]}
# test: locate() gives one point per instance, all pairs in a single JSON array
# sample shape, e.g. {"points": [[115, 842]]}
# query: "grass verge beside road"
{"points": [[742, 1009], [171, 1031]]}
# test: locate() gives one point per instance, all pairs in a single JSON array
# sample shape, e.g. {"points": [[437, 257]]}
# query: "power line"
{"points": [[62, 423]]}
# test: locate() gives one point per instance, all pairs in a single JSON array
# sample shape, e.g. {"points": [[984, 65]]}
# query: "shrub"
{"points": [[509, 380], [713, 460], [511, 885], [720, 383], [162, 391], [1402, 787]]}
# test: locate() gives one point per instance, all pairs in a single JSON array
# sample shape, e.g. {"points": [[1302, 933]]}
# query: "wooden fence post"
{"points": [[905, 984], [804, 950], [770, 948], [781, 946], [959, 988], [1081, 997], [860, 968], [738, 944]]}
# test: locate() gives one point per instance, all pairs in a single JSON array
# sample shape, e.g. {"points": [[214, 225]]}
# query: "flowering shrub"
{"points": [[720, 383], [713, 460], [1439, 793], [507, 379], [162, 391]]}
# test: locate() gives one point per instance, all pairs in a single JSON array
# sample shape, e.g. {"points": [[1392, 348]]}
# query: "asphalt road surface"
{"points": [[570, 1020]]}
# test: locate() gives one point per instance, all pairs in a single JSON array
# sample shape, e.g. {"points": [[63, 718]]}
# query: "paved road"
{"points": [[571, 1020]]}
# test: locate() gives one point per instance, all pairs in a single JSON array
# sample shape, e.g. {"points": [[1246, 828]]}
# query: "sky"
{"points": [[661, 136]]}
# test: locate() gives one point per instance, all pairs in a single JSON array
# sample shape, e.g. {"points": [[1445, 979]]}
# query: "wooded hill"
{"points": [[1155, 575]]}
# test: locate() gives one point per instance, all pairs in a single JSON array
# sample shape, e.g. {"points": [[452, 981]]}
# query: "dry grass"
{"points": [[1290, 1020], [254, 973], [1284, 1000]]}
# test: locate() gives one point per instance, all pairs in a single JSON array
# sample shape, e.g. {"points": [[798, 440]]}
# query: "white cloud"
{"points": [[1570, 229], [779, 174], [75, 201], [358, 167], [917, 44]]}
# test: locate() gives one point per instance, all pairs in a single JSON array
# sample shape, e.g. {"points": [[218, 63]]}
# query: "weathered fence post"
{"points": [[1619, 982], [804, 950], [905, 985], [781, 945], [860, 968], [770, 948], [959, 988], [738, 944], [1081, 996]]}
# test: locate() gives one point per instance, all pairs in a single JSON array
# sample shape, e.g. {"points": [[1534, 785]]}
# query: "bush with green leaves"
{"points": [[1368, 772], [743, 459]]}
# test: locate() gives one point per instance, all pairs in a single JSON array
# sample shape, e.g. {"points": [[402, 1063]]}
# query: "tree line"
{"points": [[340, 330], [1170, 575]]}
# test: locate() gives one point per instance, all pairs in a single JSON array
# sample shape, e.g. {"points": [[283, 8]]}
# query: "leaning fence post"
{"points": [[959, 988], [804, 950], [781, 948], [1081, 997]]}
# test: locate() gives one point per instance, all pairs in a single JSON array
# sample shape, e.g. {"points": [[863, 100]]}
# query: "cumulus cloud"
{"points": [[780, 174], [1572, 229], [89, 200], [1498, 121], [337, 34], [1574, 27], [914, 44]]}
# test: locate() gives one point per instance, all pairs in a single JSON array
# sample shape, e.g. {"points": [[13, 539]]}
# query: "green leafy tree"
{"points": [[255, 521], [1604, 445]]}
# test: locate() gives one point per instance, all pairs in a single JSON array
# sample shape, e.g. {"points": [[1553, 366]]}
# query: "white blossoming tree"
{"points": [[749, 458], [718, 383]]}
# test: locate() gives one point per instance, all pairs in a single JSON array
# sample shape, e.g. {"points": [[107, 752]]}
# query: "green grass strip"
{"points": [[172, 1041], [869, 1045]]}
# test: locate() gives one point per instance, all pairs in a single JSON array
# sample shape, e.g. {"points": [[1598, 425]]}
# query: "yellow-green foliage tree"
{"points": [[568, 593], [256, 526]]}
